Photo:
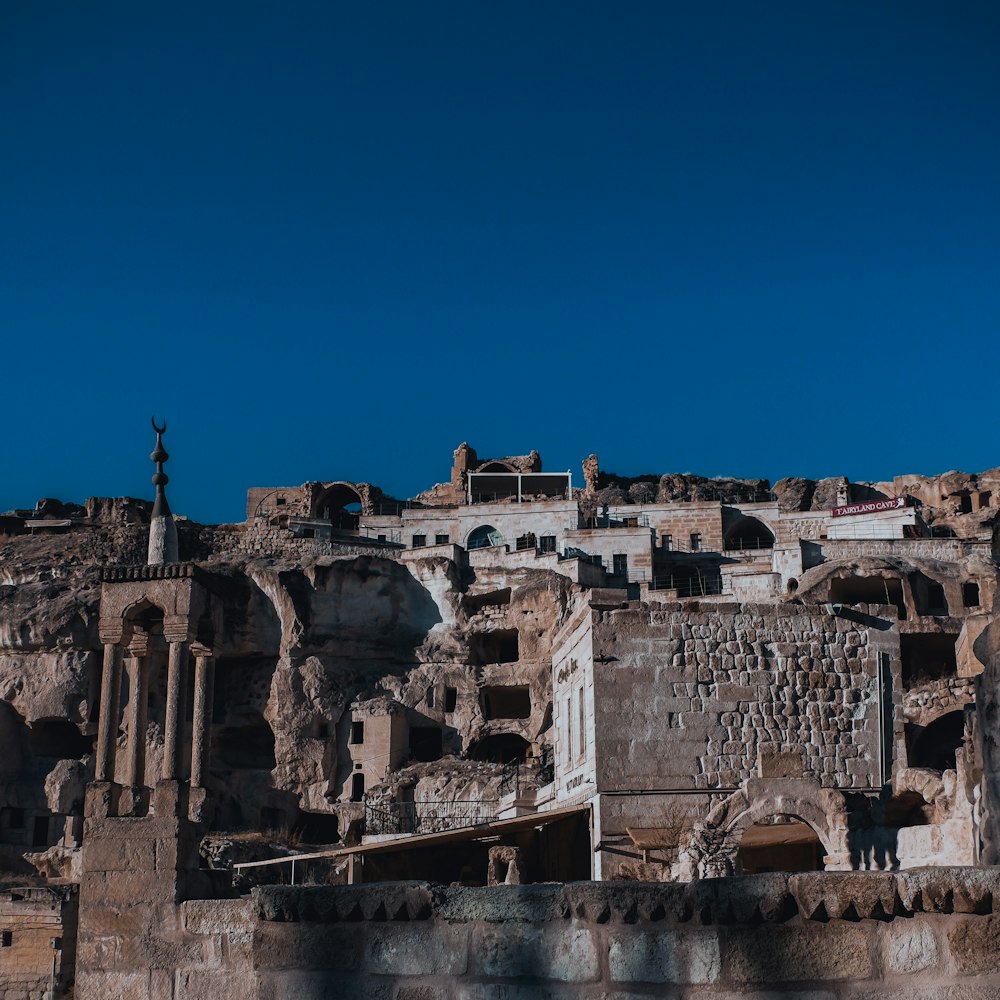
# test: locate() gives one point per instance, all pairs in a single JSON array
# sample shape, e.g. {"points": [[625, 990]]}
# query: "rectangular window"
{"points": [[6, 939], [582, 741], [547, 543], [667, 542], [419, 541], [569, 731], [970, 595], [620, 565], [450, 699], [429, 697], [357, 732], [696, 541], [440, 539], [381, 538]]}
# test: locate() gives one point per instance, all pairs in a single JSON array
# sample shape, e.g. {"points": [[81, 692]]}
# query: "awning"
{"points": [[407, 842]]}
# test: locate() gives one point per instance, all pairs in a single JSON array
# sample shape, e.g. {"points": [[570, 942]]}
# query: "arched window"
{"points": [[484, 536]]}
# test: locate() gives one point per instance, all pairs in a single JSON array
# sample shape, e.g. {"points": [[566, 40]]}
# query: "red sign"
{"points": [[871, 507]]}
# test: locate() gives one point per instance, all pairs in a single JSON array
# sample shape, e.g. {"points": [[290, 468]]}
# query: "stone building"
{"points": [[507, 678]]}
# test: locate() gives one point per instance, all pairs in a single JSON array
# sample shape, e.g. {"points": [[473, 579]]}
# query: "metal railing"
{"points": [[689, 586], [427, 817], [513, 497], [617, 521], [742, 544]]}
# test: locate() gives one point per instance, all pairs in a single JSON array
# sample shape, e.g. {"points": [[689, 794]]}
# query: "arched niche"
{"points": [[748, 533]]}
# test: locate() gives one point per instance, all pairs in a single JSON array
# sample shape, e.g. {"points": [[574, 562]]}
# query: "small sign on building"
{"points": [[870, 507]]}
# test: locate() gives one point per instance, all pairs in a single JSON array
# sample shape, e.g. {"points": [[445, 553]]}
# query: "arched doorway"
{"points": [[483, 537], [748, 533], [779, 843], [340, 504]]}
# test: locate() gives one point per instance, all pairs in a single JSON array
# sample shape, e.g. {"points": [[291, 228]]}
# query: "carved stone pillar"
{"points": [[137, 712], [107, 728], [202, 724], [174, 713]]}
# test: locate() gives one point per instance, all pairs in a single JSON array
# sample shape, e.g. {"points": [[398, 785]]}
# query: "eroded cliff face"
{"points": [[459, 660]]}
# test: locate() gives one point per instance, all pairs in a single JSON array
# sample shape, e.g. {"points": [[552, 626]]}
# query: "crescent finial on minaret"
{"points": [[162, 529]]}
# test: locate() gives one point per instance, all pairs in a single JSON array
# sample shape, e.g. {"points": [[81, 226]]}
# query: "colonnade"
{"points": [[131, 649]]}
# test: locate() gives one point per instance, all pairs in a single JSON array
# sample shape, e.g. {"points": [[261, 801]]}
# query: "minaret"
{"points": [[162, 529]]}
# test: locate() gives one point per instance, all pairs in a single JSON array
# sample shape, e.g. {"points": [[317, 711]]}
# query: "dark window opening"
{"points": [[322, 730], [667, 542], [965, 503], [357, 732], [786, 846], [619, 565], [440, 539], [425, 743], [970, 595], [357, 787], [869, 590], [40, 832], [547, 543], [382, 538], [6, 939], [500, 748], [429, 697], [280, 501], [318, 828], [419, 541], [308, 532], [11, 818], [500, 646], [249, 746], [450, 699], [936, 746], [696, 541], [506, 702], [59, 738], [936, 603], [927, 657]]}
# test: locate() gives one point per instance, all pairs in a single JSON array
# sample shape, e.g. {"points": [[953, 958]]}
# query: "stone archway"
{"points": [[716, 841]]}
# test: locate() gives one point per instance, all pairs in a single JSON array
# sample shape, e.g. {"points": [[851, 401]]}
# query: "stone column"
{"points": [[201, 729], [107, 727], [138, 672], [174, 712]]}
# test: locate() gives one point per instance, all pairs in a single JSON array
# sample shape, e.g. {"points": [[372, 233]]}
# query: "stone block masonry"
{"points": [[928, 933]]}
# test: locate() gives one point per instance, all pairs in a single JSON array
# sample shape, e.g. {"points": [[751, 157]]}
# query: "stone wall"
{"points": [[691, 698], [928, 933]]}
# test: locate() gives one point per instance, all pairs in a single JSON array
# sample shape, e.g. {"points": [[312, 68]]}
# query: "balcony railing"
{"points": [[426, 817], [688, 586], [742, 544]]}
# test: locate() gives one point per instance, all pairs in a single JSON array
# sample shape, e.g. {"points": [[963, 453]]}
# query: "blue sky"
{"points": [[330, 240]]}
